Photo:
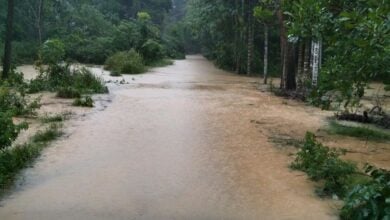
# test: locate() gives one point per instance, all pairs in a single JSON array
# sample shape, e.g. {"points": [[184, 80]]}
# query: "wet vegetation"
{"points": [[86, 101], [365, 193], [365, 133], [12, 160]]}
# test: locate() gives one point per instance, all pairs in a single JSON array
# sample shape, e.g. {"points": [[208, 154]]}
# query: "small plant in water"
{"points": [[86, 101]]}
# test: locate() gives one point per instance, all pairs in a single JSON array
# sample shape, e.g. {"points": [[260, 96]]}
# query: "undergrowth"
{"points": [[322, 163], [86, 101], [359, 132], [366, 194], [129, 62], [13, 159], [67, 81]]}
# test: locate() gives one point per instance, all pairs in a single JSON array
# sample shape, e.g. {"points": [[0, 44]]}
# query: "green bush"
{"points": [[52, 51], [16, 158], [68, 93], [62, 77], [387, 88], [14, 102], [88, 50], [370, 200], [323, 163], [129, 62], [9, 131], [84, 102], [152, 51]]}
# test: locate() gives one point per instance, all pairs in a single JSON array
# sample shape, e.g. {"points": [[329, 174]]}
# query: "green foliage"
{"points": [[130, 62], [387, 88], [14, 159], [370, 200], [86, 101], [55, 118], [323, 163], [8, 130], [52, 52], [68, 93], [13, 101], [90, 30], [365, 133], [50, 134], [63, 78], [221, 27], [152, 51], [24, 51], [263, 14], [143, 16]]}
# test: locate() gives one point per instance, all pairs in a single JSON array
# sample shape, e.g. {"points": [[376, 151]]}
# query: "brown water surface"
{"points": [[177, 143]]}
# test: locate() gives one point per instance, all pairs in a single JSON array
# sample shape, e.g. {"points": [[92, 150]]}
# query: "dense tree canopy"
{"points": [[90, 29], [317, 47]]}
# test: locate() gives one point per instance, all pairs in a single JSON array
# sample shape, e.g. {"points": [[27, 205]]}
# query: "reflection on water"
{"points": [[176, 143]]}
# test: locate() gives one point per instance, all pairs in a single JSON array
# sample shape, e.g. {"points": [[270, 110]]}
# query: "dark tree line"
{"points": [[316, 47], [91, 30]]}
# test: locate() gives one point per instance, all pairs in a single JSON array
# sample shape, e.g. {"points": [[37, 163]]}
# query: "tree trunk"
{"points": [[8, 40], [283, 45], [300, 64], [290, 83], [40, 21], [266, 33], [250, 37], [237, 38], [316, 62], [306, 62]]}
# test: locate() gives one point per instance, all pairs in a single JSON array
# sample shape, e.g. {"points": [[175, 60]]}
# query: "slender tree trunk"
{"points": [[40, 21], [250, 37], [290, 83], [266, 33], [8, 40], [300, 64], [306, 62], [316, 62], [237, 38], [283, 45]]}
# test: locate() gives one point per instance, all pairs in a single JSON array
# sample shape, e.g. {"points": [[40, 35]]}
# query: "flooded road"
{"points": [[176, 143]]}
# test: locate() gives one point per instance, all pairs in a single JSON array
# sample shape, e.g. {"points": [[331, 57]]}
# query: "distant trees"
{"points": [[319, 46], [91, 30], [228, 33]]}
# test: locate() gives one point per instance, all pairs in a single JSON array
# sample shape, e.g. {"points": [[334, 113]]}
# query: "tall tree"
{"points": [[8, 40], [264, 13], [250, 28]]}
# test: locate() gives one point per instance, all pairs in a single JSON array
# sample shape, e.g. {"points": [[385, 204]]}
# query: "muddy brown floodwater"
{"points": [[176, 143]]}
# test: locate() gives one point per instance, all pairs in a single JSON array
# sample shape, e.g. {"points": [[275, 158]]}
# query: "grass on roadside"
{"points": [[359, 132], [14, 159], [55, 118]]}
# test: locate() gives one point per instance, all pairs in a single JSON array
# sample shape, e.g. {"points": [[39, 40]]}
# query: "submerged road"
{"points": [[176, 143]]}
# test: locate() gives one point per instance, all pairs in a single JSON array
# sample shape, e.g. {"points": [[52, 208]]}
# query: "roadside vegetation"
{"points": [[365, 192], [14, 159], [358, 131]]}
